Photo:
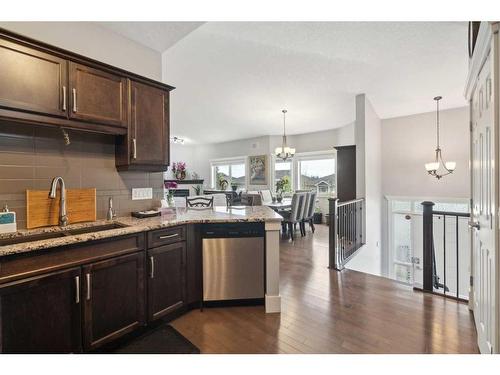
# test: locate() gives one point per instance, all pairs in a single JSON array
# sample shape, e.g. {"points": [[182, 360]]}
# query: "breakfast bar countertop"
{"points": [[132, 225]]}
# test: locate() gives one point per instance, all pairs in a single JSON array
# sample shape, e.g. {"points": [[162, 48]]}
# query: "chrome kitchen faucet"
{"points": [[63, 218]]}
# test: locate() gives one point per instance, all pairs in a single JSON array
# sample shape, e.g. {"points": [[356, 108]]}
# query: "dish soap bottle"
{"points": [[7, 221]]}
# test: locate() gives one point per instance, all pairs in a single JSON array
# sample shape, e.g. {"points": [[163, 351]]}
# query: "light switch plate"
{"points": [[142, 193]]}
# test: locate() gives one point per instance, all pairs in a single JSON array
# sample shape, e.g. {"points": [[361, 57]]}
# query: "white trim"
{"points": [[481, 52], [273, 304]]}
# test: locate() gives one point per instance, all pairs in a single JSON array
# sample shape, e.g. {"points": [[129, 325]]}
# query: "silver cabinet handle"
{"points": [[77, 288], [169, 236], [74, 101], [88, 286], [134, 148], [64, 98], [152, 260]]}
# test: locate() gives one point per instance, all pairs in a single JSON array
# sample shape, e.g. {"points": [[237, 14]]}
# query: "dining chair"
{"points": [[294, 216], [200, 202], [305, 211], [180, 201], [266, 195], [220, 199], [309, 212]]}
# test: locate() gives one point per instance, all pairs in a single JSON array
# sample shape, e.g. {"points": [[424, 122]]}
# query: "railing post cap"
{"points": [[427, 203]]}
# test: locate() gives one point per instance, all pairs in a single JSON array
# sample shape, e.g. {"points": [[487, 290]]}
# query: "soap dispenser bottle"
{"points": [[7, 221]]}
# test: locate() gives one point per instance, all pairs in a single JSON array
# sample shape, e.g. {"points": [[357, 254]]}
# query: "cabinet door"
{"points": [[166, 279], [113, 298], [149, 125], [41, 314], [32, 81], [97, 96]]}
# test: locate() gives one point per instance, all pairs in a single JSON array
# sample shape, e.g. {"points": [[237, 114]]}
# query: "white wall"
{"points": [[369, 184], [94, 41], [409, 142]]}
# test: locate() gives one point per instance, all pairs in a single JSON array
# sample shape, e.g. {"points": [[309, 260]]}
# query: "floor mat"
{"points": [[160, 340]]}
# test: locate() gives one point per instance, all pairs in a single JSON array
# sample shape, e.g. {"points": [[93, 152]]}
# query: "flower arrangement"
{"points": [[282, 185], [170, 186], [179, 170]]}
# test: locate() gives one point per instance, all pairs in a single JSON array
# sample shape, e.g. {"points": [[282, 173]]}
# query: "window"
{"points": [[317, 172], [231, 170]]}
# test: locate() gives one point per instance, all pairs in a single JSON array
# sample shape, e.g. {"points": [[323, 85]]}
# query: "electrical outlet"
{"points": [[142, 193]]}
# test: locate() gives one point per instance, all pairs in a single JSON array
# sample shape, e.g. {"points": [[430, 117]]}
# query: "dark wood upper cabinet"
{"points": [[32, 81], [97, 96], [45, 85], [41, 314], [113, 296], [147, 145], [166, 279]]}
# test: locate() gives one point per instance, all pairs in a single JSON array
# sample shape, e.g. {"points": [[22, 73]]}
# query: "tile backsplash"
{"points": [[30, 156]]}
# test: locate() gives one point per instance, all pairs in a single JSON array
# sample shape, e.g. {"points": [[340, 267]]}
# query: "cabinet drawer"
{"points": [[166, 236], [50, 260]]}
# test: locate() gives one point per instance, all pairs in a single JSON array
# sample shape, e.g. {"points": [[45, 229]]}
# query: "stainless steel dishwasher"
{"points": [[233, 261]]}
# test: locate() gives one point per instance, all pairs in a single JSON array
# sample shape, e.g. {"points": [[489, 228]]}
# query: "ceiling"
{"points": [[233, 78], [155, 35]]}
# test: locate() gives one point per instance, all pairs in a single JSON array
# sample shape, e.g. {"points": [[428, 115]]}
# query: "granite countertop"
{"points": [[133, 225]]}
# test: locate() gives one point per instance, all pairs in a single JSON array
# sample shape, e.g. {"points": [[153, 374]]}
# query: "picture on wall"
{"points": [[258, 169]]}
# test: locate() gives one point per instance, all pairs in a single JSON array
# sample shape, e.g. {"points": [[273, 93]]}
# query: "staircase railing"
{"points": [[450, 260], [346, 230]]}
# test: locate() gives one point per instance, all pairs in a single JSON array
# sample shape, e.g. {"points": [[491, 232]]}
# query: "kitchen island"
{"points": [[102, 280]]}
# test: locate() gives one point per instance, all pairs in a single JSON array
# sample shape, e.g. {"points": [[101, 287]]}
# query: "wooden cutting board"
{"points": [[41, 211]]}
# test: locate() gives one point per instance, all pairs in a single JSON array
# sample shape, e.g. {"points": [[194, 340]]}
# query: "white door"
{"points": [[484, 194]]}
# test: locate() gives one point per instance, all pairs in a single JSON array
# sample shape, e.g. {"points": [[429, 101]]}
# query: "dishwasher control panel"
{"points": [[232, 230]]}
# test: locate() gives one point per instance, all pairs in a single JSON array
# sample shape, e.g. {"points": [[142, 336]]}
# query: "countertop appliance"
{"points": [[233, 261]]}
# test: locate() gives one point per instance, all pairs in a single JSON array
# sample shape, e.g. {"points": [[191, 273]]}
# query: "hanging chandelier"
{"points": [[434, 168], [284, 152]]}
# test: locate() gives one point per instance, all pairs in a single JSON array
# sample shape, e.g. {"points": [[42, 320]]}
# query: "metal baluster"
{"points": [[444, 252], [458, 266]]}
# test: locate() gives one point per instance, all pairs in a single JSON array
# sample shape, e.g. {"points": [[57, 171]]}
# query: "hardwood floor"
{"points": [[325, 311]]}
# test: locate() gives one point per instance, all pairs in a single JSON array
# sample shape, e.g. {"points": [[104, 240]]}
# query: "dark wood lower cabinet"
{"points": [[103, 296], [166, 279], [113, 299], [41, 314]]}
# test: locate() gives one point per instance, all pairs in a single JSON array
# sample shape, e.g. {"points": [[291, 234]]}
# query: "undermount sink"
{"points": [[65, 233], [31, 238], [96, 228]]}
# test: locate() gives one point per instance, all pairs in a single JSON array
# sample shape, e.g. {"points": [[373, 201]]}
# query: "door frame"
{"points": [[487, 45]]}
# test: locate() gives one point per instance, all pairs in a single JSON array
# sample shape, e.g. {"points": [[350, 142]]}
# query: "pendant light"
{"points": [[434, 167], [284, 152]]}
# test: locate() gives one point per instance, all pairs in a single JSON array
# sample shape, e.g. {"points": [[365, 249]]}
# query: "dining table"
{"points": [[285, 204]]}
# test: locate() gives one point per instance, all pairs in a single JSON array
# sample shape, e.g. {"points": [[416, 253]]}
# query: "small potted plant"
{"points": [[317, 216], [179, 170], [221, 181], [234, 186], [197, 189], [169, 194]]}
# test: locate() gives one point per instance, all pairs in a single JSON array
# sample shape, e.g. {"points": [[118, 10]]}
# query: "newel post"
{"points": [[332, 229], [428, 245]]}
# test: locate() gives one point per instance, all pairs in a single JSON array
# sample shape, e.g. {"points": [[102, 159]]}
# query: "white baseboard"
{"points": [[273, 304]]}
